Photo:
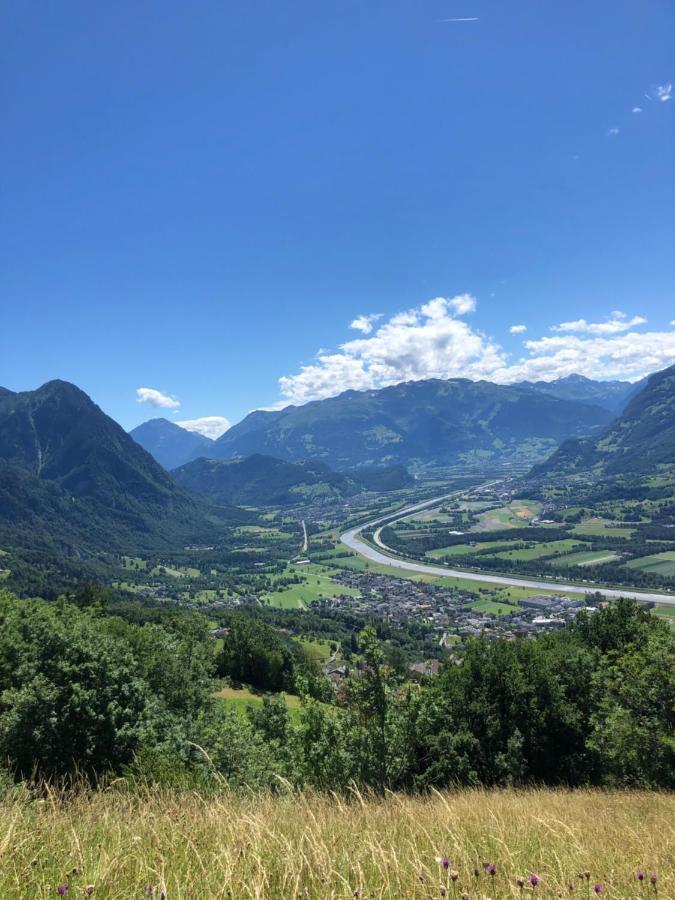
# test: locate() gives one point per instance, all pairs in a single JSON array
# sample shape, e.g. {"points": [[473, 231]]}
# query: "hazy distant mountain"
{"points": [[610, 395], [170, 444], [71, 477], [439, 422], [640, 441], [265, 481]]}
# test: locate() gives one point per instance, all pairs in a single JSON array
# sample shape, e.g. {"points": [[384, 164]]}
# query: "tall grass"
{"points": [[112, 844]]}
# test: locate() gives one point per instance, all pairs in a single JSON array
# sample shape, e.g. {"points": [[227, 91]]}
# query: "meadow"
{"points": [[183, 846]]}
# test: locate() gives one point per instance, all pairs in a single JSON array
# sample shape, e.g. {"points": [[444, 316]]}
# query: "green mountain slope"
{"points": [[169, 444], [265, 481], [640, 442], [438, 422], [72, 480]]}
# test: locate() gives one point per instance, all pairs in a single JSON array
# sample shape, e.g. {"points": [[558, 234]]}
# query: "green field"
{"points": [[544, 548], [586, 558], [659, 564], [464, 549], [665, 612], [602, 528], [316, 584], [492, 606], [515, 515]]}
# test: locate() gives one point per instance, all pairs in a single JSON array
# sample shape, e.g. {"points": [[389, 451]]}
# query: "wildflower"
{"points": [[598, 888], [357, 893], [476, 871], [62, 890], [653, 879], [491, 869], [443, 861], [442, 890], [520, 882], [89, 890], [454, 875], [464, 896], [640, 875], [534, 880]]}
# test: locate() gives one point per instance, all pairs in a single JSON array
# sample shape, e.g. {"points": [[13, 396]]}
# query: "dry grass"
{"points": [[315, 846]]}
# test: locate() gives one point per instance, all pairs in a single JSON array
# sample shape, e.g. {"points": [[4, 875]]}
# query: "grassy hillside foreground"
{"points": [[115, 845]]}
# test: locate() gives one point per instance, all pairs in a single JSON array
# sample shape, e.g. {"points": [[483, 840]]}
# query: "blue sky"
{"points": [[199, 198]]}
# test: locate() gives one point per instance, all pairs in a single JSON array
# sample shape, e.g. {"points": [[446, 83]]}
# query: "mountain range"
{"points": [[610, 395], [435, 422], [641, 441]]}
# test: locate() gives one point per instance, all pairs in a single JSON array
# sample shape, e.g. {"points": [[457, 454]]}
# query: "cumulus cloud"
{"points": [[664, 92], [637, 109], [518, 329], [365, 323], [431, 341], [614, 325], [156, 398], [210, 426], [612, 132]]}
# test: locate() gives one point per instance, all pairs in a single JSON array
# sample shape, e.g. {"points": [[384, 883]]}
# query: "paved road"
{"points": [[354, 541], [305, 542]]}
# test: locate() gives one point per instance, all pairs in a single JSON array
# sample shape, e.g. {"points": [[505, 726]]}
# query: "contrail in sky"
{"points": [[472, 19]]}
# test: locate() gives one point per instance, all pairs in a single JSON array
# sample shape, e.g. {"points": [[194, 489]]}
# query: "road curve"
{"points": [[353, 540]]}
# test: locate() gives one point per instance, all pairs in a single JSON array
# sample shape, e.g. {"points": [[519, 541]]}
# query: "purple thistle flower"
{"points": [[62, 890], [491, 869], [357, 893], [443, 861], [520, 882], [640, 875], [598, 888], [653, 879], [534, 880]]}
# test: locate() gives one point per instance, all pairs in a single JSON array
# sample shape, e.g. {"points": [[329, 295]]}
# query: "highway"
{"points": [[384, 556]]}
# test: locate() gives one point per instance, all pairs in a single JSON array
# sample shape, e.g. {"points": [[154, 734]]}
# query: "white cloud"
{"points": [[365, 323], [614, 325], [612, 132], [209, 426], [637, 109], [466, 19], [156, 398], [518, 329], [429, 341], [426, 342], [664, 92]]}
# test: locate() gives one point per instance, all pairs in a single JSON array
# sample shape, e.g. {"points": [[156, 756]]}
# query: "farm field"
{"points": [[495, 607], [515, 515], [316, 583], [317, 847], [541, 549], [464, 549], [660, 563], [602, 528], [585, 558]]}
